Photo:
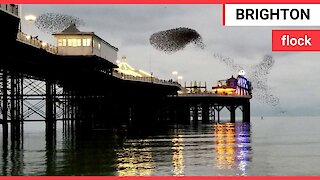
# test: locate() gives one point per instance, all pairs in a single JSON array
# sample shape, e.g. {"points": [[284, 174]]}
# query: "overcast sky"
{"points": [[294, 78]]}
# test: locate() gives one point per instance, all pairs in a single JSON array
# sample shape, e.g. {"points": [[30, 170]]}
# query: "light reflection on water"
{"points": [[171, 151], [135, 159], [177, 154], [272, 147], [232, 146], [227, 143]]}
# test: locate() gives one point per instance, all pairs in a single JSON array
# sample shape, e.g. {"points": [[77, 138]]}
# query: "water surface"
{"points": [[272, 146]]}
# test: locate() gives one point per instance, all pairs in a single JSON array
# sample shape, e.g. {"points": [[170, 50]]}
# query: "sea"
{"points": [[266, 146]]}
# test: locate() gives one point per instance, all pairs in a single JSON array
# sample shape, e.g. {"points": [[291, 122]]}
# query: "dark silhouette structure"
{"points": [[83, 92]]}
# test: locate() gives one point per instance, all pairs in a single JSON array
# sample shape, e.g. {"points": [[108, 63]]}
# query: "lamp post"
{"points": [[30, 19], [175, 73], [180, 78]]}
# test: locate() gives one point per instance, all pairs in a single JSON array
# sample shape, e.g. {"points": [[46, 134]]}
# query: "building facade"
{"points": [[73, 42]]}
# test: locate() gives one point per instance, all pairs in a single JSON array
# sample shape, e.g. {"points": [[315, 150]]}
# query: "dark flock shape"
{"points": [[173, 40], [53, 22]]}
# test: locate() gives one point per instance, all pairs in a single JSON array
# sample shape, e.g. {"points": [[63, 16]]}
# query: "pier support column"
{"points": [[232, 110], [50, 110], [195, 114], [213, 113], [205, 113], [218, 108], [143, 115], [246, 112], [183, 114], [16, 106], [5, 108]]}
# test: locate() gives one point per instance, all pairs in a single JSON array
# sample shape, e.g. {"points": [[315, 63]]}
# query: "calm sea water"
{"points": [[272, 146]]}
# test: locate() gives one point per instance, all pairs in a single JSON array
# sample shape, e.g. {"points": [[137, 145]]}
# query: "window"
{"points": [[74, 42], [78, 42], [86, 42], [99, 46], [62, 42]]}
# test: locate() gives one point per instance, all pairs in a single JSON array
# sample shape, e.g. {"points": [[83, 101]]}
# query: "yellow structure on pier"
{"points": [[126, 69]]}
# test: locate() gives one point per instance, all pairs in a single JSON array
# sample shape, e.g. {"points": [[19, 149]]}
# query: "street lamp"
{"points": [[175, 73], [180, 78], [30, 18]]}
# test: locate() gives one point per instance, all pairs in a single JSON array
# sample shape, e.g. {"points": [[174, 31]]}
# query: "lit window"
{"points": [[70, 42], [99, 46], [74, 42], [62, 42], [86, 42], [59, 42]]}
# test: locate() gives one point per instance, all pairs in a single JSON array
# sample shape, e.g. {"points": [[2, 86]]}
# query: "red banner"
{"points": [[159, 2], [296, 40]]}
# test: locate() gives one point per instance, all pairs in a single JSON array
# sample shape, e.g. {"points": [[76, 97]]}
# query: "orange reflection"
{"points": [[225, 145], [135, 160]]}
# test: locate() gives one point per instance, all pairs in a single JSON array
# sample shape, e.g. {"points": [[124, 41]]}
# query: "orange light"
{"points": [[224, 90]]}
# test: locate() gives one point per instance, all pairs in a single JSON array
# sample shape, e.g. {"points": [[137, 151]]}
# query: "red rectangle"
{"points": [[295, 40], [159, 1]]}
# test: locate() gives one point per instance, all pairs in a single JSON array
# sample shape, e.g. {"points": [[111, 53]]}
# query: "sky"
{"points": [[293, 78]]}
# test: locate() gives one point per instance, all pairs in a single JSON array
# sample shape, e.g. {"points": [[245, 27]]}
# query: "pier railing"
{"points": [[33, 41], [145, 79], [10, 8], [210, 94]]}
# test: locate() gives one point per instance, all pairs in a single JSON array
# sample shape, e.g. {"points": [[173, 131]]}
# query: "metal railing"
{"points": [[213, 94], [10, 8], [145, 79], [33, 41]]}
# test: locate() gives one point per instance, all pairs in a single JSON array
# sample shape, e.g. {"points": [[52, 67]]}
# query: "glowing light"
{"points": [[44, 44], [144, 73], [126, 69], [224, 90], [175, 73], [28, 37], [30, 18], [242, 73]]}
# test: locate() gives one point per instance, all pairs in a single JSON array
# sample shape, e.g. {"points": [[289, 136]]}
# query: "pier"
{"points": [[43, 82]]}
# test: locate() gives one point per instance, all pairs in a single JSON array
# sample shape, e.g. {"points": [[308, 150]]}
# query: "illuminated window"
{"points": [[86, 42], [62, 42], [99, 46], [70, 42], [74, 42]]}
